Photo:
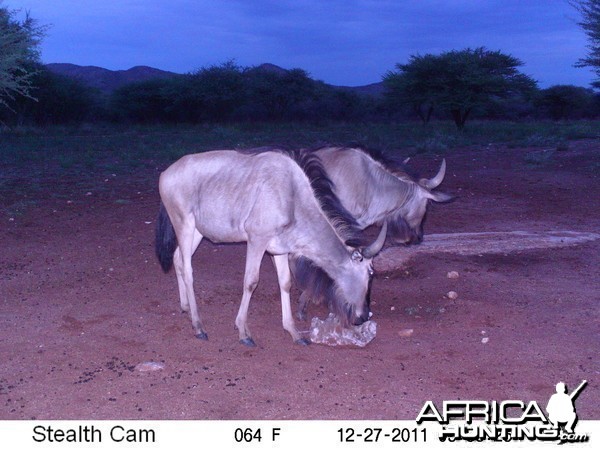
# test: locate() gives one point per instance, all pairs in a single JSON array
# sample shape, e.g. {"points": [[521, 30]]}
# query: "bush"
{"points": [[561, 102], [58, 100], [144, 102]]}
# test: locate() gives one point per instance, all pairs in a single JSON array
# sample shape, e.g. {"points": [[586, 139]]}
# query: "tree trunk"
{"points": [[419, 112], [425, 116], [457, 117], [429, 113], [460, 118]]}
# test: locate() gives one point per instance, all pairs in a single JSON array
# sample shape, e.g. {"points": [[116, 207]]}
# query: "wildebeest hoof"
{"points": [[302, 341], [248, 342], [202, 336]]}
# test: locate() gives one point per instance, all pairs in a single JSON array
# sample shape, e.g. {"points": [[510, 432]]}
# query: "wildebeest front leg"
{"points": [[285, 283], [254, 254]]}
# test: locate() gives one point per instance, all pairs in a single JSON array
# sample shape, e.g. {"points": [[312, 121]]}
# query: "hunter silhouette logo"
{"points": [[508, 420], [561, 406]]}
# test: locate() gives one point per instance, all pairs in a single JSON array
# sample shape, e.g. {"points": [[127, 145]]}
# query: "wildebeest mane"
{"points": [[323, 189], [318, 285], [391, 163]]}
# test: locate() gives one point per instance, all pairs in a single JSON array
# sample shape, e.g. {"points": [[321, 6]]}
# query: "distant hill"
{"points": [[268, 67], [108, 80], [373, 89]]}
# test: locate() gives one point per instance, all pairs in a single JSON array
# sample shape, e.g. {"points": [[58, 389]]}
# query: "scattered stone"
{"points": [[453, 275], [393, 308], [406, 332], [452, 295], [485, 340], [149, 366]]}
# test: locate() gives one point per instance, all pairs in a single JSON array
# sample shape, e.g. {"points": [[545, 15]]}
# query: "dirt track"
{"points": [[83, 301]]}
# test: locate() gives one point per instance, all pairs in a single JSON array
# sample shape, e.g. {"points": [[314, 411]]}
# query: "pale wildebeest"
{"points": [[376, 189], [268, 200]]}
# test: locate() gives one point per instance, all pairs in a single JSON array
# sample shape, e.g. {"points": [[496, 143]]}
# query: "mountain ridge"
{"points": [[107, 80]]}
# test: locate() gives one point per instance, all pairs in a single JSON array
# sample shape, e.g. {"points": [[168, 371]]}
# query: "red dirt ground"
{"points": [[83, 301]]}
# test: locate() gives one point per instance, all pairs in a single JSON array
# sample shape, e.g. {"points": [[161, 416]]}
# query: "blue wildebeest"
{"points": [[376, 189], [279, 203]]}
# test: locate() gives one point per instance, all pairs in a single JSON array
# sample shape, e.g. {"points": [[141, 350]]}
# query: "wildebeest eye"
{"points": [[357, 256]]}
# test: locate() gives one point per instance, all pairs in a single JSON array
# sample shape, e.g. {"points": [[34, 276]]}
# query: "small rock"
{"points": [[406, 332], [453, 275], [452, 295], [149, 366], [393, 308], [485, 340]]}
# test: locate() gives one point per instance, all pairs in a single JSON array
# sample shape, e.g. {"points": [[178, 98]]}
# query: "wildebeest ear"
{"points": [[357, 256], [440, 197], [354, 242]]}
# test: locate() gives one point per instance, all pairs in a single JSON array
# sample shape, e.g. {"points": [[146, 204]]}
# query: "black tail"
{"points": [[165, 241]]}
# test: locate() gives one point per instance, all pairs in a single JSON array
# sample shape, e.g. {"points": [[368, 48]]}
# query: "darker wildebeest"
{"points": [[377, 189]]}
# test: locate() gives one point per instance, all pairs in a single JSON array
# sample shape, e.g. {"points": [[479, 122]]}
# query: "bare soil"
{"points": [[83, 301]]}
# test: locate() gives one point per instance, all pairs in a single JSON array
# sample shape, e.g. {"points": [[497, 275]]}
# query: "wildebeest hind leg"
{"points": [[178, 263], [189, 238]]}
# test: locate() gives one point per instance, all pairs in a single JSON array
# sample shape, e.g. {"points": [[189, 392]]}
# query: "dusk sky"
{"points": [[341, 42]]}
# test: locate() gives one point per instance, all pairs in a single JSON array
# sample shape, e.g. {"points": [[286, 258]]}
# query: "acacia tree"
{"points": [[19, 50], [457, 81], [590, 22], [411, 85], [279, 95]]}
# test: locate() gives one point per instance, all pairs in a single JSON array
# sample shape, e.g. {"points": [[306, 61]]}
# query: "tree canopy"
{"points": [[590, 22], [19, 41], [458, 81]]}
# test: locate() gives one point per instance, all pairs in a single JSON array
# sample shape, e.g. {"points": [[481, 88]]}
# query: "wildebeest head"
{"points": [[406, 224], [353, 294]]}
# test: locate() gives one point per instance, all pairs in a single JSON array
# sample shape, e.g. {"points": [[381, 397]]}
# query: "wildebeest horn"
{"points": [[437, 180], [376, 246]]}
